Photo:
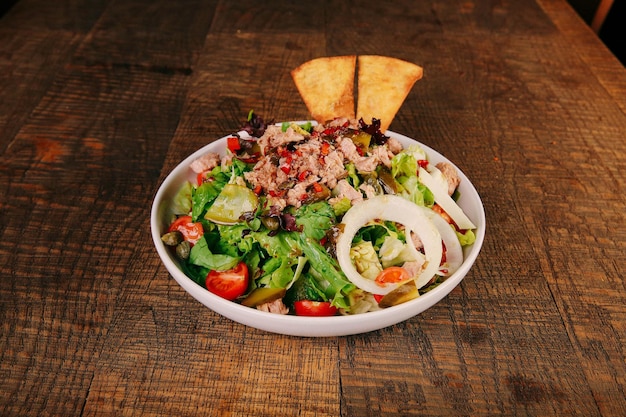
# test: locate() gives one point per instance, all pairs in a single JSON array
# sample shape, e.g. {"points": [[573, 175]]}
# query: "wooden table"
{"points": [[99, 100]]}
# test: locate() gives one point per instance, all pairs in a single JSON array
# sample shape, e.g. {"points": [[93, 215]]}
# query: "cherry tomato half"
{"points": [[228, 284], [392, 275], [314, 308], [191, 231]]}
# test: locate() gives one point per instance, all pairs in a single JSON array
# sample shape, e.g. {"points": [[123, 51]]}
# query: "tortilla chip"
{"points": [[383, 85], [327, 86]]}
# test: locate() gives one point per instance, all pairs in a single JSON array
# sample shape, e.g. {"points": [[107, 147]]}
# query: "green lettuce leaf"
{"points": [[315, 219], [404, 170], [204, 195], [181, 204], [366, 259], [466, 239], [326, 270], [201, 255]]}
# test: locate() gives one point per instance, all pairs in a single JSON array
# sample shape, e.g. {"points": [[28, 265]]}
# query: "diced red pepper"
{"points": [[317, 187], [233, 144], [422, 163], [283, 152], [325, 149], [286, 165], [302, 176]]}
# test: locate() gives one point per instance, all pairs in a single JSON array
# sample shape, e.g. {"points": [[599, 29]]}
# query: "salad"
{"points": [[318, 219]]}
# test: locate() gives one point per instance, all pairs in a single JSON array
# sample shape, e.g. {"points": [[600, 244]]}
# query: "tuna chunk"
{"points": [[333, 169], [274, 137], [394, 146], [452, 177], [414, 268], [345, 190], [276, 307], [205, 163]]}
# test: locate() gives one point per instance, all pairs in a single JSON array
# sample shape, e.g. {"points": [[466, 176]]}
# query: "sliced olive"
{"points": [[406, 292], [271, 222], [262, 296], [323, 194], [287, 185], [387, 182], [362, 140]]}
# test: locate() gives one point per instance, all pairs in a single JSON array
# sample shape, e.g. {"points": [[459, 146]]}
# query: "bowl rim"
{"points": [[311, 326]]}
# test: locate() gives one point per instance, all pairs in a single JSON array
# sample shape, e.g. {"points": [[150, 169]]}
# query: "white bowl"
{"points": [[310, 326]]}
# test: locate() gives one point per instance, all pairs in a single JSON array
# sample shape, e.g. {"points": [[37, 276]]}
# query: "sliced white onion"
{"points": [[244, 135], [445, 201], [399, 210], [454, 252]]}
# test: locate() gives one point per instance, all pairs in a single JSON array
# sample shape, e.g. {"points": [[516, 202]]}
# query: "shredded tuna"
{"points": [[394, 146], [345, 190], [274, 137], [416, 241], [294, 195], [383, 155], [333, 169], [414, 268], [369, 191], [205, 163], [276, 307], [452, 177], [291, 164], [367, 164], [348, 148]]}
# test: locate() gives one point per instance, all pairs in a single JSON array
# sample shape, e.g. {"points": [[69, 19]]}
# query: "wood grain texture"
{"points": [[100, 100]]}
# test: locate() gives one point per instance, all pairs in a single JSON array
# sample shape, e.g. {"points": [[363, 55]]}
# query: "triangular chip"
{"points": [[383, 84], [327, 86]]}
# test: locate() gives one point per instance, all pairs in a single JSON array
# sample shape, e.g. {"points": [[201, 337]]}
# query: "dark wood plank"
{"points": [[589, 48], [36, 40], [81, 171], [481, 108], [216, 355]]}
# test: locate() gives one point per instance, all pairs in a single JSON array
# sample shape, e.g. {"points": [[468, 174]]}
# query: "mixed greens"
{"points": [[303, 219]]}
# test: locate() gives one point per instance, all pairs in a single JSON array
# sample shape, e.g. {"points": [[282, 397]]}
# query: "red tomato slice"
{"points": [[392, 275], [314, 308], [191, 231], [229, 284]]}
